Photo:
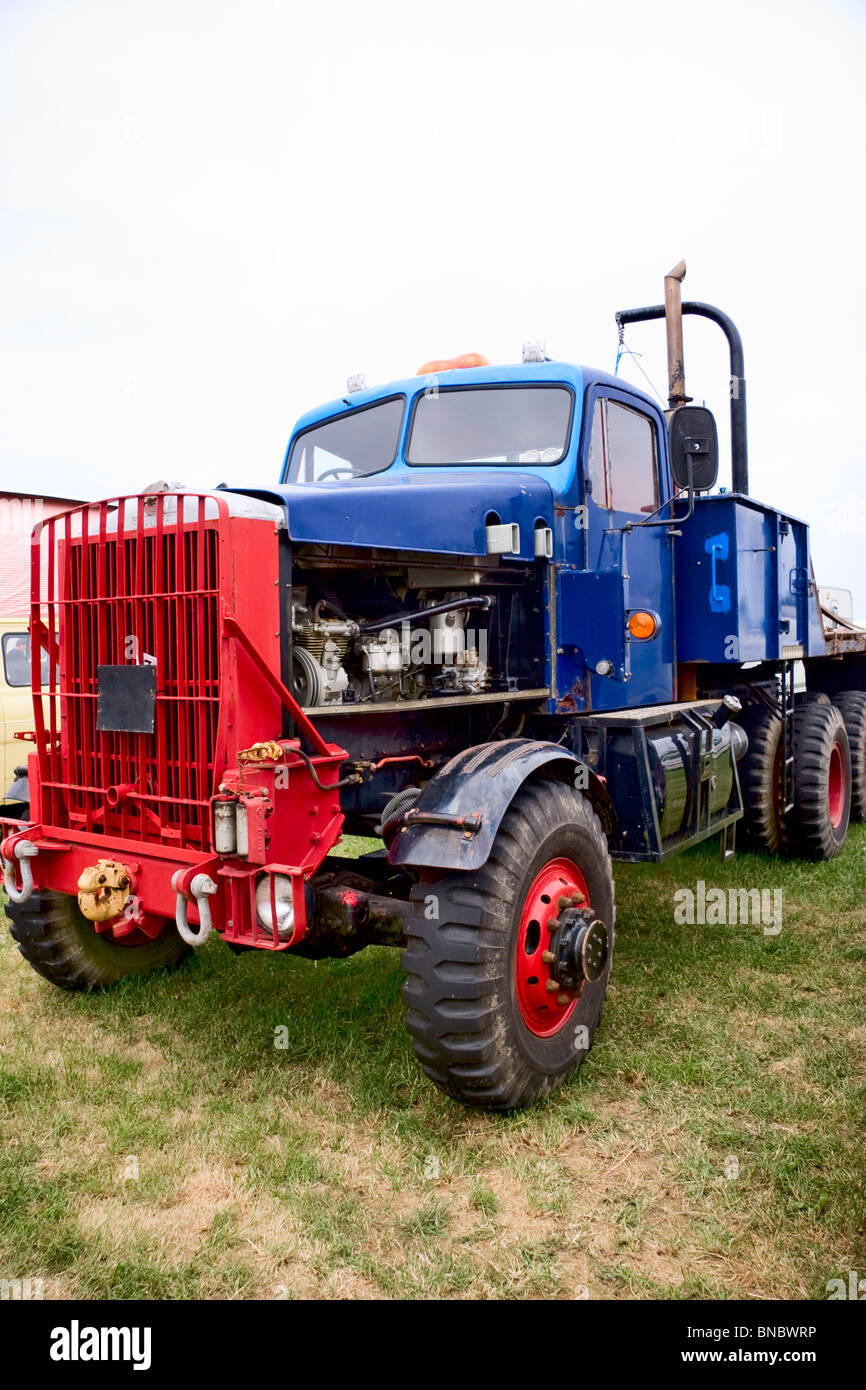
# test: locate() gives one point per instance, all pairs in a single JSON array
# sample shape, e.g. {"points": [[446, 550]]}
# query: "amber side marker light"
{"points": [[643, 625]]}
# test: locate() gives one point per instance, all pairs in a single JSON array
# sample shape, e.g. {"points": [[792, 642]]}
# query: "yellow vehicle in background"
{"points": [[16, 714], [22, 515]]}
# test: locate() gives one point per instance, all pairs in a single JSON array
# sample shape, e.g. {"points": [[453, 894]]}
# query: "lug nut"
{"points": [[551, 986], [578, 898], [564, 902], [563, 999], [553, 924], [548, 957]]}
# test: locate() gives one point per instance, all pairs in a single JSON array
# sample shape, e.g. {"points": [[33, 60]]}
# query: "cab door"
{"points": [[626, 480]]}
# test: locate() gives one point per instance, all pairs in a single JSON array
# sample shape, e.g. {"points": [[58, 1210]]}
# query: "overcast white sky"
{"points": [[212, 213]]}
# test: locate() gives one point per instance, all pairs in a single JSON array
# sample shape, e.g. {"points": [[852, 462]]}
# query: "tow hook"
{"points": [[201, 888], [103, 890], [23, 851]]}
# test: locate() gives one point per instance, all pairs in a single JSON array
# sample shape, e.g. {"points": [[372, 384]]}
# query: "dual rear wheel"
{"points": [[829, 748]]}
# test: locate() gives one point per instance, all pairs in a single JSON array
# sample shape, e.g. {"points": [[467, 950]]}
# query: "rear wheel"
{"points": [[760, 770], [817, 825], [61, 943], [507, 966], [852, 707]]}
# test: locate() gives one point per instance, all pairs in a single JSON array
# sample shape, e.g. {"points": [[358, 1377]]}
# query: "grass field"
{"points": [[156, 1143]]}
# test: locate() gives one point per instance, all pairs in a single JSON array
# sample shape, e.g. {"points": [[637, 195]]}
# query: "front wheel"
{"points": [[507, 966], [58, 940]]}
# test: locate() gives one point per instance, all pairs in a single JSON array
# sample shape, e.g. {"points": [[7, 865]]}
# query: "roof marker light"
{"points": [[358, 382], [534, 352], [450, 364]]}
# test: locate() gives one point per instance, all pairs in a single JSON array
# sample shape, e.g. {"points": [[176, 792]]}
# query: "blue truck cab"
{"points": [[585, 466], [587, 456]]}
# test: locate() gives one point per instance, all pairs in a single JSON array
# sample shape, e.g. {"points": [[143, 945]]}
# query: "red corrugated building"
{"points": [[19, 513]]}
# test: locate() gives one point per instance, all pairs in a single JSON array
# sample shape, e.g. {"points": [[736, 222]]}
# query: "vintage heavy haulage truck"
{"points": [[494, 616]]}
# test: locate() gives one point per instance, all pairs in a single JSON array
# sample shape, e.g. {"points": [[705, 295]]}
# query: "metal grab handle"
{"points": [[720, 594], [24, 850], [201, 888]]}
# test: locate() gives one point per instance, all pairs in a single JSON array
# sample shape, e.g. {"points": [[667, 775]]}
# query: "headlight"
{"points": [[275, 891]]}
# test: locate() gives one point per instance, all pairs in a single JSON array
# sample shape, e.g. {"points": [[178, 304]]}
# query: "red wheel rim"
{"points": [[836, 787], [538, 1006]]}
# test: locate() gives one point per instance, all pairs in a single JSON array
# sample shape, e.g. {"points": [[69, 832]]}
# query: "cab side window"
{"points": [[622, 466], [16, 658], [597, 461]]}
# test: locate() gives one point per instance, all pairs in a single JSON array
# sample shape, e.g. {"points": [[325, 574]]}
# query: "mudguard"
{"points": [[454, 822]]}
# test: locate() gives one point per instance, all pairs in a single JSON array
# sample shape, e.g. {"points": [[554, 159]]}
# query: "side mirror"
{"points": [[693, 439]]}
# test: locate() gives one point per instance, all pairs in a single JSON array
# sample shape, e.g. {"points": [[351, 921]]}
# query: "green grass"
{"points": [[157, 1144]]}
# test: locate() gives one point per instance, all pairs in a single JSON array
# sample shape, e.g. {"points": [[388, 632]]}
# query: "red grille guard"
{"points": [[148, 800]]}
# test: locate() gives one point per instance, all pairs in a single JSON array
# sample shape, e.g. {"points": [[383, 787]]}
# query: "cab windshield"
{"points": [[353, 445], [491, 424]]}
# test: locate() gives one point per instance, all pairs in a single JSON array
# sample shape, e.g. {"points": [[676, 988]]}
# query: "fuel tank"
{"points": [[671, 771]]}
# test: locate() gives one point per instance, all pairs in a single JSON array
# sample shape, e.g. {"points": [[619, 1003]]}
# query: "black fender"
{"points": [[454, 822]]}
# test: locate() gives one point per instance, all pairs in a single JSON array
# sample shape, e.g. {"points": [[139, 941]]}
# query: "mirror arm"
{"points": [[669, 502]]}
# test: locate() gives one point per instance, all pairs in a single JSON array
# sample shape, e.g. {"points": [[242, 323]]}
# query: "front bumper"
{"points": [[163, 886]]}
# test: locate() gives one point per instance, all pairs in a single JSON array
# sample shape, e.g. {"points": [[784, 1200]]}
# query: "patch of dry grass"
{"points": [[156, 1142]]}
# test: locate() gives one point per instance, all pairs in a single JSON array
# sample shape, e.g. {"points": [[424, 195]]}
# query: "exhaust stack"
{"points": [[672, 311], [674, 329]]}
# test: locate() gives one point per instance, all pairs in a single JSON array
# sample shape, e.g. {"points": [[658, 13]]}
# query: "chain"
{"points": [[621, 349]]}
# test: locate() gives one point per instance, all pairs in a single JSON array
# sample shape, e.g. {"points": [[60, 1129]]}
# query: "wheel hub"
{"points": [[836, 787], [561, 945], [579, 945]]}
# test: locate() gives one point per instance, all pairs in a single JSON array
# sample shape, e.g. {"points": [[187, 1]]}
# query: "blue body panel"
{"points": [[437, 511], [743, 584]]}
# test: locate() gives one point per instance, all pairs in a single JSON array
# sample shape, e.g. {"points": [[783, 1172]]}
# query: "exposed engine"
{"points": [[433, 650]]}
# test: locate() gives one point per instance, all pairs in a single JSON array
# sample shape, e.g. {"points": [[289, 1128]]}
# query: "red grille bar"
{"points": [[130, 580]]}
